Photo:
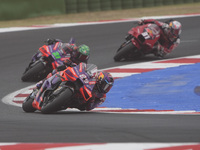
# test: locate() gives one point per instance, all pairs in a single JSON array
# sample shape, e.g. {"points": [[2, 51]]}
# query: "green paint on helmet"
{"points": [[84, 49]]}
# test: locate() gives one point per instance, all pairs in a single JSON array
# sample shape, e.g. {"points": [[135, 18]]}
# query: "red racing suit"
{"points": [[165, 45]]}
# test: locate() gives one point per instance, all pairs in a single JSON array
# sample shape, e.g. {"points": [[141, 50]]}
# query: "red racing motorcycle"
{"points": [[140, 42], [70, 87]]}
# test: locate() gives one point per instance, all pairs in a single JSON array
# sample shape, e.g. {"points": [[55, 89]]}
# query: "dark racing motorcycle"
{"points": [[62, 90], [48, 58], [139, 42]]}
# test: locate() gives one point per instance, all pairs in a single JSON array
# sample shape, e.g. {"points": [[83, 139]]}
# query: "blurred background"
{"points": [[31, 12]]}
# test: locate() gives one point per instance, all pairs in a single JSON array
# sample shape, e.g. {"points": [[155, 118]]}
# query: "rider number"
{"points": [[84, 78], [145, 35], [56, 55]]}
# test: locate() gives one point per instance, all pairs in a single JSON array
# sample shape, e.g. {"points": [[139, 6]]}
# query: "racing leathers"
{"points": [[164, 45], [97, 99]]}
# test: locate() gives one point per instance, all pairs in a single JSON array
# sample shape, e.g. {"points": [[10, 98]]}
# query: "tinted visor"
{"points": [[173, 34], [81, 57], [106, 86]]}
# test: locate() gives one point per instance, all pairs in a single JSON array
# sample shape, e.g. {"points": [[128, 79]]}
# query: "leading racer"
{"points": [[170, 36]]}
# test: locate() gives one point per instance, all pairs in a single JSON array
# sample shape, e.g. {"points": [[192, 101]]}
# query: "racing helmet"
{"points": [[81, 54], [104, 82], [174, 30]]}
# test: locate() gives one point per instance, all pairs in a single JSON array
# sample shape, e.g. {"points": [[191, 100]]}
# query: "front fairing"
{"points": [[54, 51], [89, 82], [135, 31], [82, 73], [151, 35], [36, 57], [145, 36]]}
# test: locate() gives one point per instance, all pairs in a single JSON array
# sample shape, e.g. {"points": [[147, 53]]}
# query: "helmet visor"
{"points": [[106, 86], [82, 57], [172, 37]]}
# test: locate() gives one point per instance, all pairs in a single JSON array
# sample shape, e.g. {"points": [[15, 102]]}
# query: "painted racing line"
{"points": [[163, 86], [100, 146]]}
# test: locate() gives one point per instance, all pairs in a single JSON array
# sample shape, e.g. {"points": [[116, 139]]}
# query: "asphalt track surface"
{"points": [[16, 126]]}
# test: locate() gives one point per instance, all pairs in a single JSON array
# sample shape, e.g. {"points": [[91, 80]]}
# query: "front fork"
{"points": [[48, 85], [128, 37]]}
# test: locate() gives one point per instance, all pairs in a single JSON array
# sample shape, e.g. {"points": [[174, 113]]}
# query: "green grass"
{"points": [[106, 15]]}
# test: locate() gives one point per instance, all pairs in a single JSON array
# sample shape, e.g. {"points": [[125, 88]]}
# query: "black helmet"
{"points": [[81, 54]]}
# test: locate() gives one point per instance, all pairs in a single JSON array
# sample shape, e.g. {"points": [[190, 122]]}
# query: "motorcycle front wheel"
{"points": [[126, 51], [55, 102], [27, 105], [36, 72]]}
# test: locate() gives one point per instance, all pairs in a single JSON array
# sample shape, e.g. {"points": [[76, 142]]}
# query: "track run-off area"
{"points": [[152, 100], [164, 81]]}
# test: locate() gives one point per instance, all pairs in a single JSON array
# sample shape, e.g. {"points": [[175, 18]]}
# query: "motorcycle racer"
{"points": [[170, 36], [103, 83], [54, 54], [77, 55]]}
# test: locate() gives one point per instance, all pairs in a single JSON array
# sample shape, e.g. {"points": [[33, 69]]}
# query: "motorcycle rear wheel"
{"points": [[36, 72], [126, 51], [56, 102], [27, 105]]}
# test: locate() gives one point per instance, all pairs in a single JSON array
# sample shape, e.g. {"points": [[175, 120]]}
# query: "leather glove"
{"points": [[61, 67], [69, 63], [159, 50]]}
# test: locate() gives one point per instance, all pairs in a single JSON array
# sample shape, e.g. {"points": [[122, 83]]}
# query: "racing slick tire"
{"points": [[126, 51], [58, 100], [35, 72], [27, 105]]}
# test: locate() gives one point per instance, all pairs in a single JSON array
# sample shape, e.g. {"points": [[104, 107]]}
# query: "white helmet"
{"points": [[174, 30]]}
